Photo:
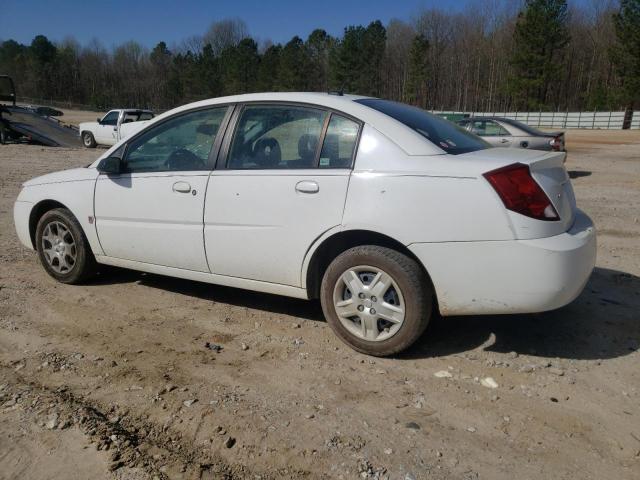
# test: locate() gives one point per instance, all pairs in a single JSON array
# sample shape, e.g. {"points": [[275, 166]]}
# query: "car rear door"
{"points": [[492, 132], [152, 212], [281, 183]]}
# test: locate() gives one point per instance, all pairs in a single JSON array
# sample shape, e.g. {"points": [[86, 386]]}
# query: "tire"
{"points": [[405, 288], [63, 248], [88, 141]]}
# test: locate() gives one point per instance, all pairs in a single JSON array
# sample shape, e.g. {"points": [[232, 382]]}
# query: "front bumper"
{"points": [[21, 213], [515, 276]]}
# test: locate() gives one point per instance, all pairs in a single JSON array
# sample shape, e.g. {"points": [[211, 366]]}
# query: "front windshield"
{"points": [[443, 133]]}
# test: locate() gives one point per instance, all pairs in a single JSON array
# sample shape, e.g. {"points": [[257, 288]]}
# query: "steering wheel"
{"points": [[183, 159]]}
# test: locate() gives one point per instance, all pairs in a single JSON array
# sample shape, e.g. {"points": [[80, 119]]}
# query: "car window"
{"points": [[445, 134], [110, 118], [339, 143], [276, 136], [524, 127], [136, 116], [178, 144], [488, 128]]}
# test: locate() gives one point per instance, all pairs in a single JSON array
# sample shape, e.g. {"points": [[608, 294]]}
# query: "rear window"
{"points": [[443, 133], [524, 127]]}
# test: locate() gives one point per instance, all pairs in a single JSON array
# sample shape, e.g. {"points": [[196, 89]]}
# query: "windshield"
{"points": [[443, 133]]}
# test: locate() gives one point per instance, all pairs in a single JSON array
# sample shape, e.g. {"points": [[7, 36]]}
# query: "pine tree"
{"points": [[346, 59], [294, 66], [540, 38], [356, 61], [240, 65], [626, 53], [373, 47], [269, 69], [418, 72], [318, 47]]}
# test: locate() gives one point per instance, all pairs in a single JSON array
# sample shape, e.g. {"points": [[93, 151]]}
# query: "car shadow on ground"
{"points": [[573, 174], [308, 310], [603, 322]]}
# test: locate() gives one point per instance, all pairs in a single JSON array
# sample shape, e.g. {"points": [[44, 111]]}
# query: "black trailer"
{"points": [[31, 124]]}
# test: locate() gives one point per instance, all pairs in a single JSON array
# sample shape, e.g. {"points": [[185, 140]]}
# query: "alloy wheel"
{"points": [[59, 247]]}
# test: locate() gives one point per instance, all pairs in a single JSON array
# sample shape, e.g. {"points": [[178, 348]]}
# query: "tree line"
{"points": [[494, 55]]}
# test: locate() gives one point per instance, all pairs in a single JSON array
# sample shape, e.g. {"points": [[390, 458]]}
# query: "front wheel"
{"points": [[376, 300], [88, 141], [63, 248]]}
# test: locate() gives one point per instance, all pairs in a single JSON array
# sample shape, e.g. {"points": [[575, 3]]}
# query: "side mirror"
{"points": [[110, 166], [98, 120]]}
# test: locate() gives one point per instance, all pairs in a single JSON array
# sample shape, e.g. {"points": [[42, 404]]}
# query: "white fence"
{"points": [[591, 120]]}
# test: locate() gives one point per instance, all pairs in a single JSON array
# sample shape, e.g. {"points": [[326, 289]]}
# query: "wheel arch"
{"points": [[38, 210], [335, 243]]}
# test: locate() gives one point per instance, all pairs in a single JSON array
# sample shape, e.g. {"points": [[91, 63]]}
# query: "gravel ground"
{"points": [[112, 379]]}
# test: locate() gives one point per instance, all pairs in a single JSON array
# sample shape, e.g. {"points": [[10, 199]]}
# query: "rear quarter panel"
{"points": [[434, 198]]}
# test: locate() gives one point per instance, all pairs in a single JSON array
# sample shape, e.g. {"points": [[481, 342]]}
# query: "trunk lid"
{"points": [[547, 169]]}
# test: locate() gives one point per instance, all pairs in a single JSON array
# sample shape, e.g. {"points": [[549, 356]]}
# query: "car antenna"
{"points": [[339, 93]]}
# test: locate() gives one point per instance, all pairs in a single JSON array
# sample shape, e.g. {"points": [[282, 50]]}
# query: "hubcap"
{"points": [[59, 247], [369, 303]]}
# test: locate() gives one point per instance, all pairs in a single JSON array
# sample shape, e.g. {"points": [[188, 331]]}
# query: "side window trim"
{"points": [[215, 148], [221, 162], [354, 154], [323, 134]]}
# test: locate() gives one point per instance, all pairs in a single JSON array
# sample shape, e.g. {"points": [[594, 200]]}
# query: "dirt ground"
{"points": [[112, 380]]}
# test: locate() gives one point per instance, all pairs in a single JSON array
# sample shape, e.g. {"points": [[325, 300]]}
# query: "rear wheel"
{"points": [[63, 248], [377, 300], [88, 141]]}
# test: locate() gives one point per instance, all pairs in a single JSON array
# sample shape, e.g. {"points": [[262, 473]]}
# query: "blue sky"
{"points": [[148, 22]]}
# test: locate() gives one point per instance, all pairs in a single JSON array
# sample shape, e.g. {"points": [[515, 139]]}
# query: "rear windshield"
{"points": [[443, 133], [523, 126]]}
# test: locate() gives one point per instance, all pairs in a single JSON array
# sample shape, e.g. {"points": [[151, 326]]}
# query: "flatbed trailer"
{"points": [[31, 124]]}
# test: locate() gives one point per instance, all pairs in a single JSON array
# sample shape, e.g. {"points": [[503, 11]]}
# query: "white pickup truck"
{"points": [[113, 127]]}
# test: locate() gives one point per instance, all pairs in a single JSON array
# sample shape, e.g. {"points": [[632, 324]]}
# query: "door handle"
{"points": [[307, 186], [504, 140], [181, 187]]}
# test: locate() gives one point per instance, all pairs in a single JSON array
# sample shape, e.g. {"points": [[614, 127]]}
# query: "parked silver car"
{"points": [[504, 132]]}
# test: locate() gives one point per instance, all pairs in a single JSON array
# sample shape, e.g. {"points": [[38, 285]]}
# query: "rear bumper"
{"points": [[516, 276]]}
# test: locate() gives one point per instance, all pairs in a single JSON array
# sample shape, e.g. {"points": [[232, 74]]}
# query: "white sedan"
{"points": [[382, 211]]}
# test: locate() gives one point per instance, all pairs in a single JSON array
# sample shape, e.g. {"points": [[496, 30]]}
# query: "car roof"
{"points": [[408, 140]]}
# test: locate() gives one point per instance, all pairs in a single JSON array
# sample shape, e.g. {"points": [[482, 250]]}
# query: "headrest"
{"points": [[267, 152], [307, 147]]}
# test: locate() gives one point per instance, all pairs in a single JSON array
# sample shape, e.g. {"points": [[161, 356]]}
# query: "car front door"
{"points": [[152, 211], [281, 185], [107, 128], [492, 132]]}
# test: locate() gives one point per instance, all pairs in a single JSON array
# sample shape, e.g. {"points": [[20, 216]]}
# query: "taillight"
{"points": [[556, 144], [521, 193]]}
